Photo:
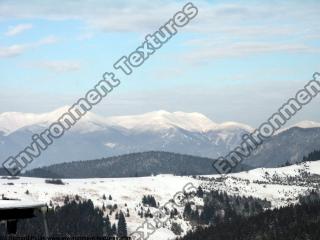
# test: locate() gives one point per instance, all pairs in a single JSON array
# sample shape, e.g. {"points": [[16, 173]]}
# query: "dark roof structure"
{"points": [[11, 210]]}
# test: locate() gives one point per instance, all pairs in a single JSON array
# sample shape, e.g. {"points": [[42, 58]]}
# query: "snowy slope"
{"points": [[124, 191], [281, 186]]}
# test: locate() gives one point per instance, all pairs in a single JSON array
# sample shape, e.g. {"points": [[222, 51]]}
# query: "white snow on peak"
{"points": [[302, 124], [307, 124], [158, 120], [12, 121], [151, 121], [234, 125]]}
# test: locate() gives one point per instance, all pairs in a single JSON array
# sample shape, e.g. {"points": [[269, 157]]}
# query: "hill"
{"points": [[130, 165]]}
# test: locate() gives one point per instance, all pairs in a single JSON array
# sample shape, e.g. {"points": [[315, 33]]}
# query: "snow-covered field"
{"points": [[281, 186], [125, 192]]}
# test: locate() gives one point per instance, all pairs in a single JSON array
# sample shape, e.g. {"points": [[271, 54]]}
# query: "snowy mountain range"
{"points": [[155, 121], [95, 136]]}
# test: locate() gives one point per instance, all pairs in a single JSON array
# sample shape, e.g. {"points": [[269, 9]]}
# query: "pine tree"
{"points": [[122, 226], [200, 192], [77, 197], [114, 230], [108, 227], [187, 210], [66, 200], [149, 200]]}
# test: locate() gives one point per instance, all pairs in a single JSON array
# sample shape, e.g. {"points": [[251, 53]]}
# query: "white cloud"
{"points": [[145, 15], [208, 51], [102, 14], [59, 66], [15, 30], [18, 49], [11, 51], [85, 36], [46, 41], [255, 27], [124, 15]]}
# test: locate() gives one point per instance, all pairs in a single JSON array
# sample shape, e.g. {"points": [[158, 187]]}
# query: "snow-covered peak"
{"points": [[12, 121], [55, 114], [151, 121], [158, 120], [307, 124], [234, 125], [302, 124]]}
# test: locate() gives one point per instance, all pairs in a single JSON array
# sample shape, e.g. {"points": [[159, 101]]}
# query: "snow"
{"points": [[155, 121], [162, 233], [128, 192], [124, 191], [293, 170], [163, 120], [20, 204], [273, 184], [110, 145], [307, 124], [233, 125], [302, 124]]}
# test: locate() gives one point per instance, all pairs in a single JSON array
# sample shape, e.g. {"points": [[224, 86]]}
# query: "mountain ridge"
{"points": [[131, 165], [12, 121], [96, 137]]}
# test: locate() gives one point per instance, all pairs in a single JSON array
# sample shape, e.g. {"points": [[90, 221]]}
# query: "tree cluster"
{"points": [[295, 222], [74, 218], [149, 200]]}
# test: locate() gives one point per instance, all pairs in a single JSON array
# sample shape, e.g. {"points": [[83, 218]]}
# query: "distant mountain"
{"points": [[155, 121], [3, 172], [97, 137], [130, 165], [289, 146]]}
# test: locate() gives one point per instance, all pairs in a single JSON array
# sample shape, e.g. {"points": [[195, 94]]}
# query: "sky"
{"points": [[236, 61]]}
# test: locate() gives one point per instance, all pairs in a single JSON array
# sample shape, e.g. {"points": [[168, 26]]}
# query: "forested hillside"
{"points": [[295, 222], [313, 156], [130, 165]]}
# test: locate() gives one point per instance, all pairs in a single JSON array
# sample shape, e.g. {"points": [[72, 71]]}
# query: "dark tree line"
{"points": [[220, 207], [313, 156], [129, 165], [75, 218], [295, 222], [149, 200]]}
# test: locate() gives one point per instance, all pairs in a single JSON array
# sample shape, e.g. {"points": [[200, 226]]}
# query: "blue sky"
{"points": [[238, 60]]}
